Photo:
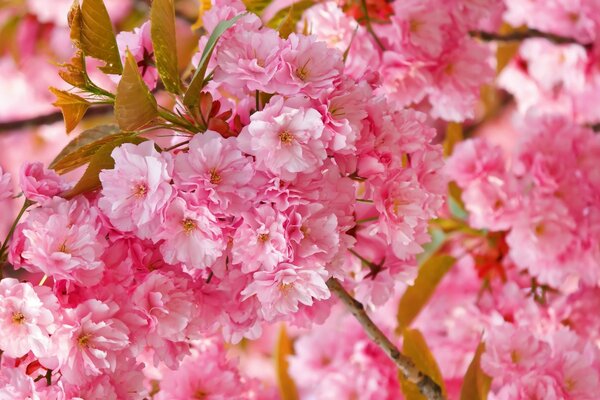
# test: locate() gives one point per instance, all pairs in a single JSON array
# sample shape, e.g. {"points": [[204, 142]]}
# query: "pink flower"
{"points": [[63, 240], [404, 214], [139, 43], [250, 59], [39, 184], [191, 235], [420, 27], [136, 192], [167, 302], [282, 291], [206, 375], [261, 241], [6, 189], [462, 72], [285, 138], [90, 342], [512, 351], [216, 170], [29, 316], [474, 159], [307, 66]]}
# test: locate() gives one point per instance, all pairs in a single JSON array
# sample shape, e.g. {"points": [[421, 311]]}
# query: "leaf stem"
{"points": [[406, 366], [365, 10]]}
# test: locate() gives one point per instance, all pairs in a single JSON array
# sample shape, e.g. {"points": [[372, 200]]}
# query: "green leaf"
{"points": [[92, 32], [416, 297], [73, 107], [295, 11], [192, 94], [287, 387], [415, 347], [455, 203], [256, 6], [102, 159], [476, 384], [81, 149], [135, 106], [162, 30]]}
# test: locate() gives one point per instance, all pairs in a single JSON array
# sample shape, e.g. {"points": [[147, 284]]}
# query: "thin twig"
{"points": [[528, 34], [365, 10], [47, 119], [426, 385]]}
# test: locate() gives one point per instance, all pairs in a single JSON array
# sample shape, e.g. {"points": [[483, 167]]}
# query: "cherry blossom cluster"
{"points": [[419, 52], [546, 195], [311, 175]]}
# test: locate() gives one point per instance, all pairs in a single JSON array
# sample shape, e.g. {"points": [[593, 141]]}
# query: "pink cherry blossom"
{"points": [[217, 171], [307, 66], [282, 291], [191, 235], [62, 239], [30, 315], [139, 43], [39, 184], [136, 192], [285, 139], [90, 341], [261, 241], [251, 59]]}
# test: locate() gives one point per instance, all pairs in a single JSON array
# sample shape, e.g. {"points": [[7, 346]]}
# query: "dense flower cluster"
{"points": [[547, 196], [421, 51], [216, 221], [238, 228]]}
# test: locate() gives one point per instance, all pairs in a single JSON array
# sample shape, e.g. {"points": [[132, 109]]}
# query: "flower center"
{"points": [[189, 225], [63, 248], [302, 72], [18, 318], [84, 340], [263, 237], [286, 137], [415, 25], [200, 394], [140, 190], [215, 178], [285, 288]]}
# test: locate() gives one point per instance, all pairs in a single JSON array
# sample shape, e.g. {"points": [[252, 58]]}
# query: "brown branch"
{"points": [[528, 34], [426, 385], [48, 119]]}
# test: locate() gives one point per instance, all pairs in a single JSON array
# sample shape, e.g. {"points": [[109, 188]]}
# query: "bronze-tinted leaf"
{"points": [[295, 11], [256, 6], [416, 297], [287, 387], [81, 149], [135, 106], [415, 347], [476, 384], [192, 94], [73, 72], [97, 38], [102, 159], [162, 17], [73, 107], [454, 134]]}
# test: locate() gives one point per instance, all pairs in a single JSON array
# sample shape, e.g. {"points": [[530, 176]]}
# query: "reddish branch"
{"points": [[406, 366]]}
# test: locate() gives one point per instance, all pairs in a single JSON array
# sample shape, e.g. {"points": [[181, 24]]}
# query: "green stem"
{"points": [[363, 4], [12, 230]]}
